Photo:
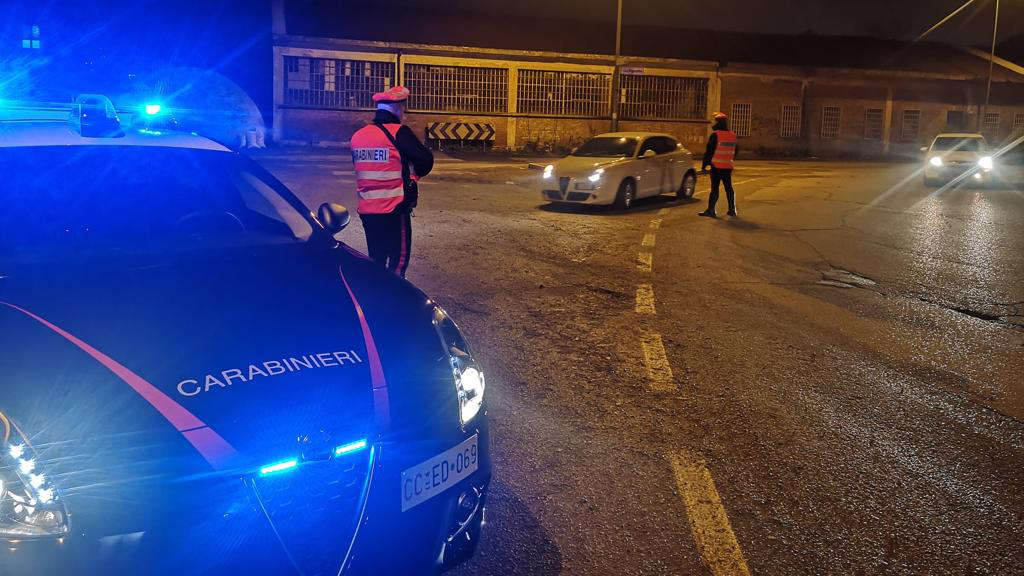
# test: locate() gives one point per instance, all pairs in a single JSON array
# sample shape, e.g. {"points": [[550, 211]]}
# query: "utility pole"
{"points": [[991, 62], [616, 96]]}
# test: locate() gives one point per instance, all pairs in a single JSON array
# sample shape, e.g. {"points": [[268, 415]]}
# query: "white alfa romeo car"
{"points": [[619, 167]]}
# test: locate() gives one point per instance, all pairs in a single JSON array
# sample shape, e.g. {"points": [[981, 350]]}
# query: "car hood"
{"points": [[958, 156], [158, 373], [584, 166]]}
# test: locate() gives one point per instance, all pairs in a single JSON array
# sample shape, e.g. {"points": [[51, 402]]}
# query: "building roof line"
{"points": [[609, 59], [291, 40]]}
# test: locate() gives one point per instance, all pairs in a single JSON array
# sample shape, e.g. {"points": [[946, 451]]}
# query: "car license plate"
{"points": [[435, 475]]}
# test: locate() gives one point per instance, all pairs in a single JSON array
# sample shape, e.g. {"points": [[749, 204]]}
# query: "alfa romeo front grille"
{"points": [[315, 509]]}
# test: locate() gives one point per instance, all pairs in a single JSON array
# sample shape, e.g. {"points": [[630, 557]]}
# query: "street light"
{"points": [[616, 97], [991, 61]]}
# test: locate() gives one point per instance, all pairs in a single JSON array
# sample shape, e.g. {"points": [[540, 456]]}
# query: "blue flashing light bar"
{"points": [[350, 447], [279, 467], [152, 109]]}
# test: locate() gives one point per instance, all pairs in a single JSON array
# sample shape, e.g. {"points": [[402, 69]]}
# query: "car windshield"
{"points": [[59, 200], [605, 146], [948, 144]]}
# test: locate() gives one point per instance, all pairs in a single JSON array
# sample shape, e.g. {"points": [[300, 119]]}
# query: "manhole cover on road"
{"points": [[844, 279]]}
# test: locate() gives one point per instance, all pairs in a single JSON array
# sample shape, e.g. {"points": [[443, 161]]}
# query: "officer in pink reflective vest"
{"points": [[719, 155], [389, 160]]}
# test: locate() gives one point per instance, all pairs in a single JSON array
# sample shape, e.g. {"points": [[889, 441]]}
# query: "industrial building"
{"points": [[547, 85]]}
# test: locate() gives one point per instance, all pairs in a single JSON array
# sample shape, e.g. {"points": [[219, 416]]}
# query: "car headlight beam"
{"points": [[30, 504], [469, 379], [935, 161], [985, 162], [548, 171]]}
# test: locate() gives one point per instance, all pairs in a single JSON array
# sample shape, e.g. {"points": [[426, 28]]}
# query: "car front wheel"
{"points": [[688, 186], [626, 195]]}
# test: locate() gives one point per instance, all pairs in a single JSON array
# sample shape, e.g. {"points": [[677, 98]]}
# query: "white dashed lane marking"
{"points": [[719, 550], [645, 299], [659, 372], [716, 542], [644, 261]]}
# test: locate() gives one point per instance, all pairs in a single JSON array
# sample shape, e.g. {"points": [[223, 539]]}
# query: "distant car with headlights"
{"points": [[956, 156], [198, 377], [619, 167]]}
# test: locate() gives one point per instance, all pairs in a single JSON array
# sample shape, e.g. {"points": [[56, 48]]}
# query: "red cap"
{"points": [[396, 94], [720, 116]]}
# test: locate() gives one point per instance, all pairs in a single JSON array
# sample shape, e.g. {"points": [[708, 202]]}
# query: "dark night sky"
{"points": [[902, 19]]}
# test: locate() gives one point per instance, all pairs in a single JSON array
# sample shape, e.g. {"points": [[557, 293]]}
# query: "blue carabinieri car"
{"points": [[197, 377]]}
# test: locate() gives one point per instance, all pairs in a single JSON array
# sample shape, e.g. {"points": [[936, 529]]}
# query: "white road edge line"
{"points": [[716, 542], [663, 211], [648, 241], [655, 224], [659, 371], [645, 299]]}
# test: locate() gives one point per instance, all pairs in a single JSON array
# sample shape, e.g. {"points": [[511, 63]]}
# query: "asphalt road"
{"points": [[832, 383]]}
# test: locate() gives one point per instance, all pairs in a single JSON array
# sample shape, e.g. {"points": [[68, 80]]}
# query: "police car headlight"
{"points": [[935, 161], [596, 175], [548, 171], [469, 379], [985, 162], [30, 505]]}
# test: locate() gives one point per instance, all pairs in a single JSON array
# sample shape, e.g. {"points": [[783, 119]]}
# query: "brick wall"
{"points": [[766, 98], [311, 126]]}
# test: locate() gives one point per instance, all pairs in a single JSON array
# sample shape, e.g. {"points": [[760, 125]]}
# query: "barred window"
{"points": [[741, 119], [990, 125], [830, 121], [789, 124], [338, 84], [563, 93], [1018, 122], [457, 88], [873, 119], [664, 97], [30, 37], [911, 125]]}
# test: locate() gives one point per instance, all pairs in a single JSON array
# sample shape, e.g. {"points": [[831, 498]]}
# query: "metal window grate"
{"points": [[1018, 122], [789, 124], [990, 125], [563, 93], [830, 121], [664, 97], [337, 84], [873, 124], [741, 119], [457, 88], [910, 126]]}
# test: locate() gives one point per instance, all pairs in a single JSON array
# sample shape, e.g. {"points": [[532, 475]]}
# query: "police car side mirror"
{"points": [[648, 153], [334, 217]]}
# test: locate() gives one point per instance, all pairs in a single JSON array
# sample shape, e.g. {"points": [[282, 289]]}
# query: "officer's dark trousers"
{"points": [[389, 239], [719, 177]]}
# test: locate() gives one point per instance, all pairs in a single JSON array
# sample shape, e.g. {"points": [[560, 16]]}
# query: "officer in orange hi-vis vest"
{"points": [[389, 160], [719, 155]]}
